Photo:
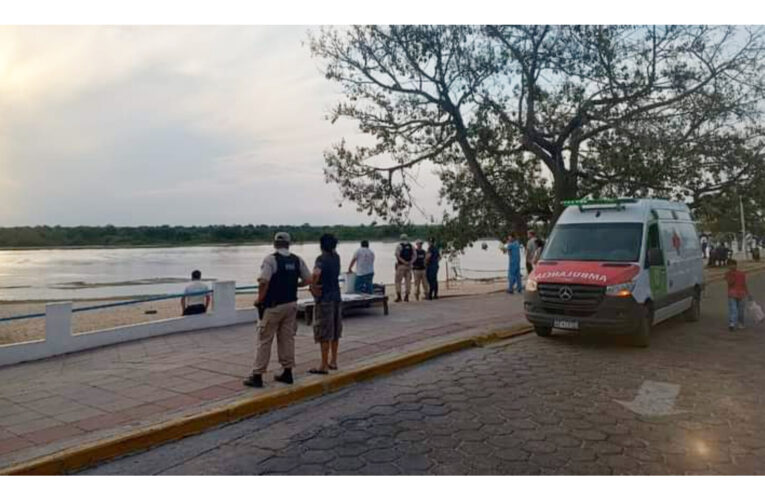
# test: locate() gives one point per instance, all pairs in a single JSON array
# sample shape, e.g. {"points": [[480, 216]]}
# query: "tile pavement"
{"points": [[50, 405]]}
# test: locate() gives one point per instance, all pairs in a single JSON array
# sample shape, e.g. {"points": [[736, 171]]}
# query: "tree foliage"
{"points": [[58, 236], [515, 119]]}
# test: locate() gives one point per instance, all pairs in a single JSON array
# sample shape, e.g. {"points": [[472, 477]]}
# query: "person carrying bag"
{"points": [[754, 311]]}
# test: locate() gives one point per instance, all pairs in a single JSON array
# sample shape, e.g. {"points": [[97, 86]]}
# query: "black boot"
{"points": [[285, 377], [254, 380], [406, 298], [398, 297]]}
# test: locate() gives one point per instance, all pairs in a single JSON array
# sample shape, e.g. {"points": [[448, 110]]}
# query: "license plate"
{"points": [[566, 324]]}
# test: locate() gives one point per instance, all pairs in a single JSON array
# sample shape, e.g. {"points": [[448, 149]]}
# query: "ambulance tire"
{"points": [[693, 314], [543, 331], [642, 336]]}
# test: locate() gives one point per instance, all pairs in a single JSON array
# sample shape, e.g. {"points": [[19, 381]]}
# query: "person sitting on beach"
{"points": [[198, 303]]}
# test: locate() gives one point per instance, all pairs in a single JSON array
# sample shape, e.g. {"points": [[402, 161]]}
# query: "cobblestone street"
{"points": [[569, 404]]}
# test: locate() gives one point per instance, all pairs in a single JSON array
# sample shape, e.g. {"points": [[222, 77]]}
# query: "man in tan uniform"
{"points": [[418, 269], [280, 275], [404, 259]]}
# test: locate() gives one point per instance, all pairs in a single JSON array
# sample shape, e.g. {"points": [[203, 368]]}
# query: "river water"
{"points": [[58, 274]]}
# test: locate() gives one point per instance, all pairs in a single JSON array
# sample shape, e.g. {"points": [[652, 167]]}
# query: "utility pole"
{"points": [[743, 225]]}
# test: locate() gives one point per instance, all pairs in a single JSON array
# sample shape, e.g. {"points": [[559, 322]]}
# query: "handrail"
{"points": [[23, 316], [124, 303], [131, 302]]}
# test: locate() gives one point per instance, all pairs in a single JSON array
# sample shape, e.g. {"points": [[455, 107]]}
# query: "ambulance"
{"points": [[618, 266]]}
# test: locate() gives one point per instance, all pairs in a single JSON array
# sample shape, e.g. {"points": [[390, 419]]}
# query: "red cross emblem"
{"points": [[677, 242]]}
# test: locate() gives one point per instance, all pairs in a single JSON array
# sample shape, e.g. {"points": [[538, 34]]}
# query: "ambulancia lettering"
{"points": [[572, 275]]}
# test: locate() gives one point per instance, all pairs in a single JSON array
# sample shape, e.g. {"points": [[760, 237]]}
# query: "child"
{"points": [[737, 294]]}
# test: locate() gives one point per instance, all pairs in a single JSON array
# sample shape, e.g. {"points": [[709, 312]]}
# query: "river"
{"points": [[92, 273]]}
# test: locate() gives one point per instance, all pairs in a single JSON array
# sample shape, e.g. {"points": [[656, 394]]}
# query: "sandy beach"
{"points": [[34, 329]]}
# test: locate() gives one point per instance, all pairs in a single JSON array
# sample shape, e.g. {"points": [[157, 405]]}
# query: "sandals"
{"points": [[316, 371], [332, 367]]}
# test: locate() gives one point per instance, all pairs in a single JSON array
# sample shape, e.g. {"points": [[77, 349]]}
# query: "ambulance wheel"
{"points": [[543, 331], [642, 336], [693, 314]]}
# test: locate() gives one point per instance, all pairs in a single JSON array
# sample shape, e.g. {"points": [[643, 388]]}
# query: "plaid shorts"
{"points": [[327, 321]]}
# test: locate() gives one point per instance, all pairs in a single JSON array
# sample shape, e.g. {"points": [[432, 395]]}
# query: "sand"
{"points": [[34, 329]]}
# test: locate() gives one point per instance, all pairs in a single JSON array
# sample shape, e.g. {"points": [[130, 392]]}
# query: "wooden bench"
{"points": [[350, 301]]}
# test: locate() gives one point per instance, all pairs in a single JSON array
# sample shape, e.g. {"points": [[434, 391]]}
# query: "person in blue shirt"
{"points": [[513, 249]]}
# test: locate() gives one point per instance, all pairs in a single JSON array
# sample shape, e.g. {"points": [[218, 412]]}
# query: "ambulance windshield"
{"points": [[606, 242]]}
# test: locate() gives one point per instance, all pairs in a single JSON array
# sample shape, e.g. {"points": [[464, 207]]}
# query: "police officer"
{"points": [[418, 269], [280, 275], [404, 259]]}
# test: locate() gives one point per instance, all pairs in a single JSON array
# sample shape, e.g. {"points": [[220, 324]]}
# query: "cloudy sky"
{"points": [[167, 125]]}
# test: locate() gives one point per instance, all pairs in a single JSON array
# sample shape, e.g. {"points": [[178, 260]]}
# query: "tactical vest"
{"points": [[282, 288], [419, 261], [406, 252]]}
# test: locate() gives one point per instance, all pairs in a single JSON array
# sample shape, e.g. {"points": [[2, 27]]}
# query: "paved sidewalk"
{"points": [[52, 405]]}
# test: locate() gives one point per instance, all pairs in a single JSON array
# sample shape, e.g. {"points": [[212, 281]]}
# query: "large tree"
{"points": [[487, 106]]}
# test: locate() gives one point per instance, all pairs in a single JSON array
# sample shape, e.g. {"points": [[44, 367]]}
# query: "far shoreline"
{"points": [[184, 245]]}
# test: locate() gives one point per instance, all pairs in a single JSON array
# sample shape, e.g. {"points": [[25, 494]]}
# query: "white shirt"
{"points": [[194, 287], [365, 261]]}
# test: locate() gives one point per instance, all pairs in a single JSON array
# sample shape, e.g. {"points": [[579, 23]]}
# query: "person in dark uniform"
{"points": [[280, 276], [327, 313], [418, 269], [404, 259], [431, 269]]}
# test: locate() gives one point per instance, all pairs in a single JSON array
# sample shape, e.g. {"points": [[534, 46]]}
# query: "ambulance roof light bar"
{"points": [[599, 204]]}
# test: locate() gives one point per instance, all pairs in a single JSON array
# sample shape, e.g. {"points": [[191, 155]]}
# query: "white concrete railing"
{"points": [[59, 338]]}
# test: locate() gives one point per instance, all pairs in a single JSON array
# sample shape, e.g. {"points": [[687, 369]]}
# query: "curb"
{"points": [[100, 451], [93, 453]]}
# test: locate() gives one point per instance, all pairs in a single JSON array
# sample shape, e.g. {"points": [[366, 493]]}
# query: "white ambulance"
{"points": [[618, 266]]}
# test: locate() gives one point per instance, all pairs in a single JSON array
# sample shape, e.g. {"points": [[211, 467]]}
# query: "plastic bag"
{"points": [[754, 311]]}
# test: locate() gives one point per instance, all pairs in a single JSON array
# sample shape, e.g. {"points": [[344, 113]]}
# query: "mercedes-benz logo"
{"points": [[565, 293]]}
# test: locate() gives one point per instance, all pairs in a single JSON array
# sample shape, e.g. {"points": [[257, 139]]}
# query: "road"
{"points": [[692, 403]]}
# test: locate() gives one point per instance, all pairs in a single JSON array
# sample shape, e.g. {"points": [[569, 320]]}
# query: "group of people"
{"points": [[534, 248], [281, 274], [721, 252], [413, 263], [416, 263], [718, 254]]}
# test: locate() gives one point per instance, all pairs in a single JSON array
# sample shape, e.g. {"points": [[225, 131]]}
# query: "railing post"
{"points": [[58, 326], [224, 298]]}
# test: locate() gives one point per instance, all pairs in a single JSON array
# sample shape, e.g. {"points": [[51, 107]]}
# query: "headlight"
{"points": [[620, 290], [531, 285]]}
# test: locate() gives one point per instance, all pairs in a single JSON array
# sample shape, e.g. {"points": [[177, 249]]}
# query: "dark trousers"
{"points": [[432, 275], [195, 309], [529, 268]]}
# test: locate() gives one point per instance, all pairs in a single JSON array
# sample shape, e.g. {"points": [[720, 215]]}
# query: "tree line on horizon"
{"points": [[59, 236]]}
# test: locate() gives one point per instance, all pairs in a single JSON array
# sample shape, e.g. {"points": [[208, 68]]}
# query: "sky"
{"points": [[168, 125]]}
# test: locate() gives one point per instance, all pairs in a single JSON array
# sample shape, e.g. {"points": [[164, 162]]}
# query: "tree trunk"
{"points": [[566, 187], [491, 194]]}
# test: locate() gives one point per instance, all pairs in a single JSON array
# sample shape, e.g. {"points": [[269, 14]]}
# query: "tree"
{"points": [[488, 104], [412, 89]]}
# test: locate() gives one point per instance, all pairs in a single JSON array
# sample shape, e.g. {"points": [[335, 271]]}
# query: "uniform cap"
{"points": [[404, 237], [282, 236]]}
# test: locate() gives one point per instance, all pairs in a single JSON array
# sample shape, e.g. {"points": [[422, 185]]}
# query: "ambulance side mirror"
{"points": [[655, 257]]}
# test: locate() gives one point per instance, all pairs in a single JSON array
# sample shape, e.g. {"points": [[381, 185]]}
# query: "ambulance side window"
{"points": [[653, 243]]}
